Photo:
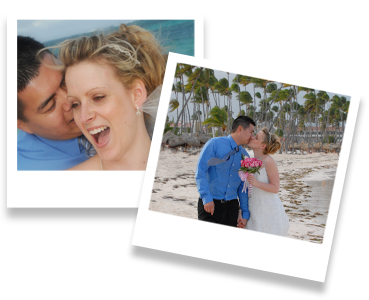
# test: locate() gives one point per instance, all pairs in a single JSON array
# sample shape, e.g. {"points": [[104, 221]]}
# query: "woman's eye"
{"points": [[98, 98], [75, 105]]}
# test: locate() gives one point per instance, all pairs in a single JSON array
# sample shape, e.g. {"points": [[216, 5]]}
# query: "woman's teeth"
{"points": [[97, 130]]}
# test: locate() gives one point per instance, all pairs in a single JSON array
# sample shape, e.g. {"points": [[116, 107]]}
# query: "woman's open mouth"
{"points": [[100, 135]]}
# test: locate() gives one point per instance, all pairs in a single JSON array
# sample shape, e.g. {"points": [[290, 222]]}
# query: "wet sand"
{"points": [[306, 183]]}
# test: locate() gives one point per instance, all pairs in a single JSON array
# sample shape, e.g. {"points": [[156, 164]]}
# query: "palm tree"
{"points": [[340, 107], [223, 87], [182, 70], [217, 118], [323, 98], [283, 95], [244, 81], [241, 113], [207, 81], [173, 105], [236, 88], [311, 105], [187, 69], [245, 99]]}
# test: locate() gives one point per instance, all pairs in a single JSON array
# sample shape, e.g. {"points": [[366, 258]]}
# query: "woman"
{"points": [[113, 84], [266, 209]]}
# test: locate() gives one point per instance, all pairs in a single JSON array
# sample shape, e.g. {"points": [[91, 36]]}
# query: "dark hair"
{"points": [[27, 67], [243, 121]]}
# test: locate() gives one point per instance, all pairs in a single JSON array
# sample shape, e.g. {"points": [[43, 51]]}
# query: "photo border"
{"points": [[229, 245]]}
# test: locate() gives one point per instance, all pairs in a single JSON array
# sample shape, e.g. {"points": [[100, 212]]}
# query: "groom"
{"points": [[217, 176], [48, 137]]}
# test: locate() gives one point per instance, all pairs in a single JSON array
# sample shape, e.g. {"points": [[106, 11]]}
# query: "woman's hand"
{"points": [[251, 179]]}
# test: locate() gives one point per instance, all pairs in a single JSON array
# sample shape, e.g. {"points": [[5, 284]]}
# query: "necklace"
{"points": [[101, 165], [260, 157]]}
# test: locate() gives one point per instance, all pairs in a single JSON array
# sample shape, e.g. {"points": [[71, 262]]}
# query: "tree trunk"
{"points": [[280, 111], [187, 100]]}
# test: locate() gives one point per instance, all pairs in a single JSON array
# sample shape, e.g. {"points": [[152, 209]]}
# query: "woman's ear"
{"points": [[139, 93]]}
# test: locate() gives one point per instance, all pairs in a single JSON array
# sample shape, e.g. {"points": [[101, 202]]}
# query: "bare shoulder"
{"points": [[270, 162], [89, 165]]}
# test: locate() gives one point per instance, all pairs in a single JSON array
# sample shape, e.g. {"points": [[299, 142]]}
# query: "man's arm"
{"points": [[201, 175], [244, 204]]}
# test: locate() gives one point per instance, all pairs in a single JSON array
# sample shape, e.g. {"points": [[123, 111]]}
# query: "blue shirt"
{"points": [[221, 181], [36, 153]]}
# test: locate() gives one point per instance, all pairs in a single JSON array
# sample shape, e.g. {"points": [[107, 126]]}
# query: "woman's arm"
{"points": [[273, 175]]}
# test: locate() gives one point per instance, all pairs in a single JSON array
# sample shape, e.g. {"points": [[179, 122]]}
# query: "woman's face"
{"points": [[103, 108], [257, 141]]}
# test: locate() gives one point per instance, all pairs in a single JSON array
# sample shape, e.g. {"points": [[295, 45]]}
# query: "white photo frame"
{"points": [[230, 245], [59, 189]]}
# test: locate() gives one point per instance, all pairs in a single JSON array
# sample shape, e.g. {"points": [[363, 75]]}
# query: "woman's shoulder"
{"points": [[89, 165], [269, 161]]}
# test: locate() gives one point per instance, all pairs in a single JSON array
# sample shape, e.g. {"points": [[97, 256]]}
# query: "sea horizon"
{"points": [[174, 35]]}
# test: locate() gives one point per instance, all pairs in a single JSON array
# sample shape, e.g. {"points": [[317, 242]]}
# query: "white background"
{"points": [[244, 31]]}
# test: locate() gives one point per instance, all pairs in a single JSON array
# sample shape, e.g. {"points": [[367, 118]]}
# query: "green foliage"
{"points": [[169, 128], [330, 139], [217, 118], [271, 87], [250, 170], [244, 98], [279, 132], [241, 113], [173, 105]]}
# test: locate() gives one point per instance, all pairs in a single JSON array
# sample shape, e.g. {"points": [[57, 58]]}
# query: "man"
{"points": [[47, 139], [217, 176]]}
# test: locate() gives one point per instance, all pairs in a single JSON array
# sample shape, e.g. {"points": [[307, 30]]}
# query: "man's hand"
{"points": [[241, 223], [209, 207]]}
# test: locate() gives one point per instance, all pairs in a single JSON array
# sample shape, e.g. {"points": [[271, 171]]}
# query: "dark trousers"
{"points": [[224, 213]]}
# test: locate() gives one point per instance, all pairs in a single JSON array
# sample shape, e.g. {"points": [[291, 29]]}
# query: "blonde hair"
{"points": [[132, 52], [271, 141]]}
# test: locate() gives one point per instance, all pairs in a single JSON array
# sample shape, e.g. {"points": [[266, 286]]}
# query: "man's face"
{"points": [[47, 110], [247, 134]]}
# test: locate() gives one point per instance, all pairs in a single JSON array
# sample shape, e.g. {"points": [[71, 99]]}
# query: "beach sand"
{"points": [[174, 190]]}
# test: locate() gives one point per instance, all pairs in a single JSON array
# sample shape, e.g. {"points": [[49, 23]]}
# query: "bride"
{"points": [[266, 209], [113, 84]]}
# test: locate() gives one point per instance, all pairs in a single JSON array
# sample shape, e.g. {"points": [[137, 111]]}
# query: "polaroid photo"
{"points": [[303, 130], [71, 189]]}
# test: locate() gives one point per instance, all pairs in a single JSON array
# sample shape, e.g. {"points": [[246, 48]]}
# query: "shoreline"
{"points": [[175, 192]]}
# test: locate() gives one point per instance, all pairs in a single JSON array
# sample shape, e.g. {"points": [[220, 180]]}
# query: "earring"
{"points": [[138, 113]]}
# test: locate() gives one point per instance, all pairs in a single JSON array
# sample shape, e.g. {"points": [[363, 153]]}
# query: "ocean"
{"points": [[174, 35], [321, 196]]}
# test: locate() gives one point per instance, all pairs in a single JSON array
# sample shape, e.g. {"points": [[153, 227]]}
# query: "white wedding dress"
{"points": [[266, 210]]}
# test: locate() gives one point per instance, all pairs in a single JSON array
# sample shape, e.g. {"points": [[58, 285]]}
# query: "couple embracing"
{"points": [[222, 200], [91, 108]]}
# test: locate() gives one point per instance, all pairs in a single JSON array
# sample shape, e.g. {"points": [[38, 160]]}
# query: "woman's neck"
{"points": [[135, 158], [258, 153]]}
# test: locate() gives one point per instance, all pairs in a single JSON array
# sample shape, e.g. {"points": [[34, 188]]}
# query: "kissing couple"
{"points": [[92, 107], [223, 199]]}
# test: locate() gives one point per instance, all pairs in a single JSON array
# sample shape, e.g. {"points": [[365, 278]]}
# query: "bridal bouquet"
{"points": [[248, 166]]}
